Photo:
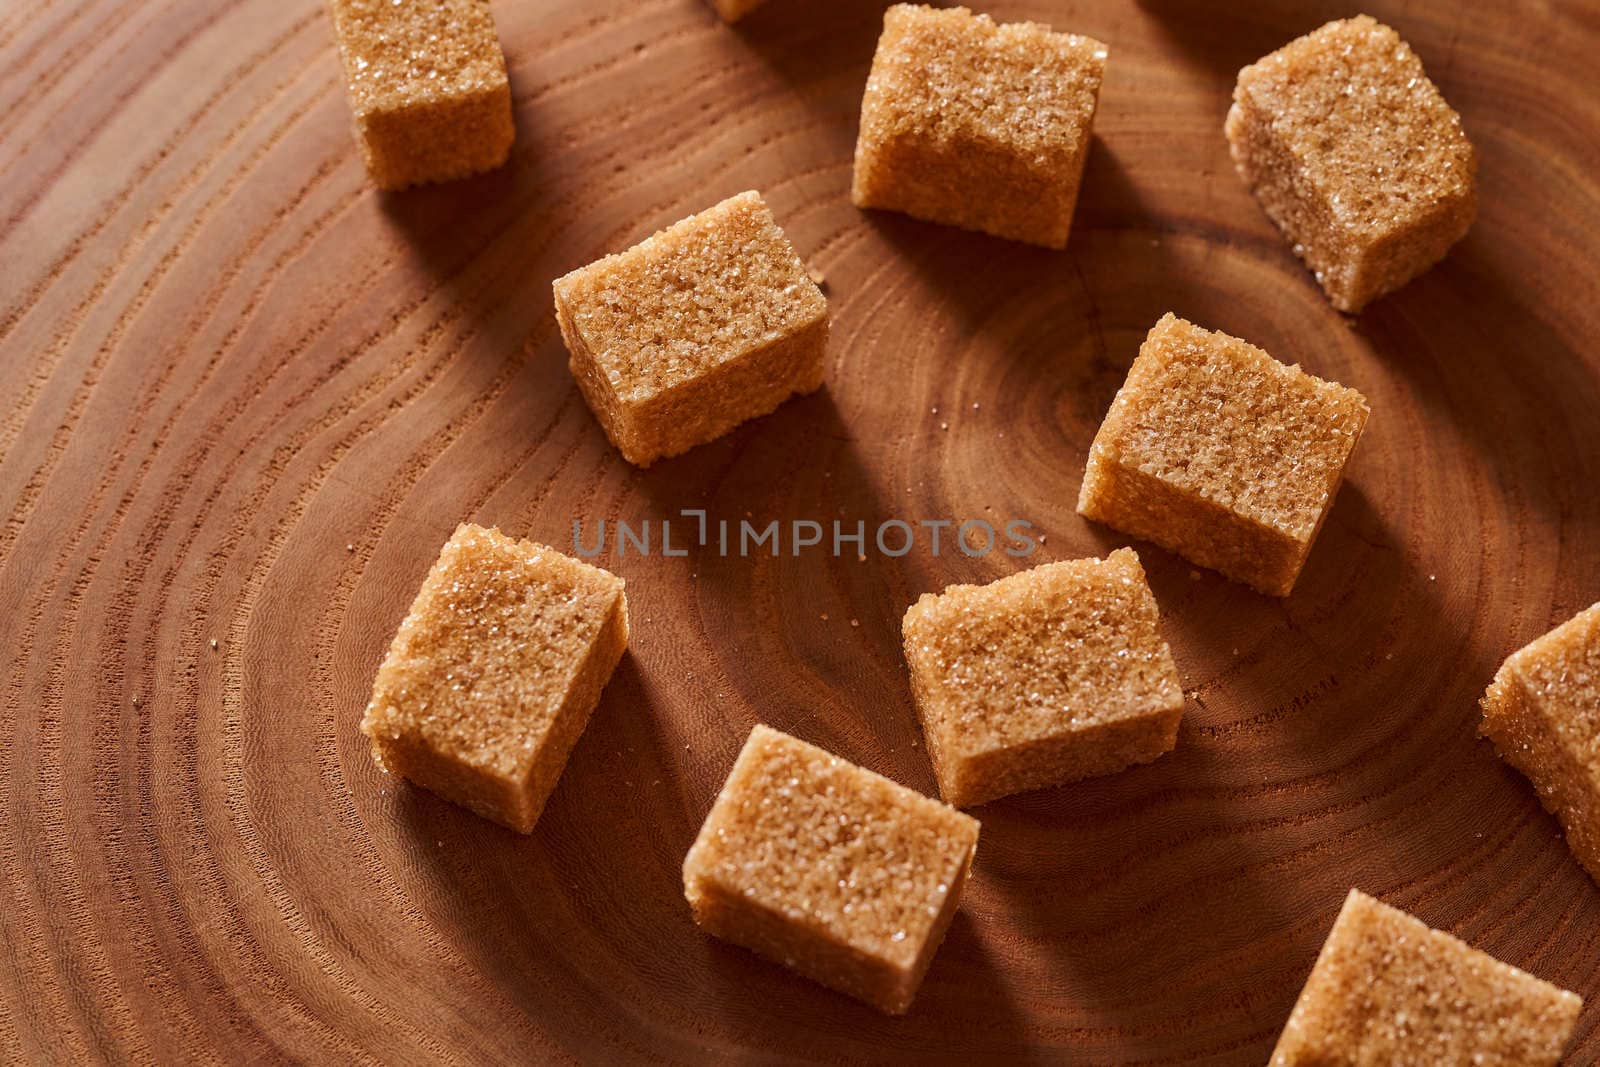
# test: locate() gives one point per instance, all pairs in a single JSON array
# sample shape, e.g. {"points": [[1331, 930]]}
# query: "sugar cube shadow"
{"points": [[963, 969], [1119, 885], [1222, 45], [604, 855], [823, 50], [798, 462], [969, 270], [975, 275], [1397, 329], [825, 617], [1482, 360], [1172, 859], [802, 433], [477, 238], [449, 223]]}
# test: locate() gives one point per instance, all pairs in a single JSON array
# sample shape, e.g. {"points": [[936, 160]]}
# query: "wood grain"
{"points": [[246, 398]]}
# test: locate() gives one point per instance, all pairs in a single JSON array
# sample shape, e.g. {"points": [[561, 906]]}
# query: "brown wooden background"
{"points": [[245, 398]]}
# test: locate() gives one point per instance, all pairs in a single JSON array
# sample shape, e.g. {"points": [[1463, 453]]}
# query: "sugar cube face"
{"points": [[977, 125], [1543, 714], [428, 86], [1356, 156], [493, 674], [832, 870], [710, 322], [1045, 677], [1388, 990], [1216, 451]]}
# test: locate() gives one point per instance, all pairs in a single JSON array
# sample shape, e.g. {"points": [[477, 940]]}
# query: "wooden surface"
{"points": [[245, 399]]}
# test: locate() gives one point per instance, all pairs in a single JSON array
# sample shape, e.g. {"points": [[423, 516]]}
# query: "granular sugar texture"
{"points": [[494, 672], [832, 870], [427, 83]]}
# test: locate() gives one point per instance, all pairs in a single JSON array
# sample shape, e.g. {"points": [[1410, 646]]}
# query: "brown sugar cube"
{"points": [[1354, 154], [710, 322], [832, 870], [1051, 675], [1543, 714], [428, 86], [977, 125], [734, 10], [1388, 990], [494, 672], [1218, 452]]}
